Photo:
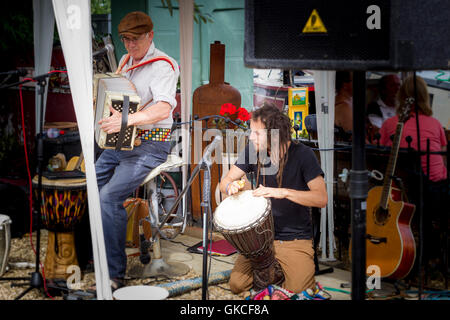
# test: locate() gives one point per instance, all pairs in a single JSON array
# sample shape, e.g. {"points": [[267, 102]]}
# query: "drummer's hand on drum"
{"points": [[113, 123], [235, 186], [266, 192]]}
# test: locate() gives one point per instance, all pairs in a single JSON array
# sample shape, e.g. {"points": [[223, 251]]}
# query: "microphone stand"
{"points": [[36, 280], [205, 165]]}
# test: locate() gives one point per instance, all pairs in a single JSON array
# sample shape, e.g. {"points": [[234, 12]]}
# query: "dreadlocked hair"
{"points": [[274, 119]]}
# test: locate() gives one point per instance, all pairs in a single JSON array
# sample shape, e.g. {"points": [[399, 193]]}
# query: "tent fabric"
{"points": [[43, 26], [73, 18], [186, 39], [324, 83]]}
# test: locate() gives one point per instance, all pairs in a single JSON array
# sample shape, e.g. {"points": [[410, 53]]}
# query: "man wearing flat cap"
{"points": [[155, 76]]}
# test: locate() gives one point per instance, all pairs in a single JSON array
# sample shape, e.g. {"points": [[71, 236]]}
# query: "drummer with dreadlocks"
{"points": [[288, 173]]}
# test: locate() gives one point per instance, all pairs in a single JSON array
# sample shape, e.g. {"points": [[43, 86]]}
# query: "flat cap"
{"points": [[135, 23]]}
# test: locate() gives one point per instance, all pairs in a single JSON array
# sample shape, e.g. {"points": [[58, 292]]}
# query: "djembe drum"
{"points": [[63, 205], [247, 223]]}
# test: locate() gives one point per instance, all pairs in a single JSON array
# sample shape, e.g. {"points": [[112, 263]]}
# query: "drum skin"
{"points": [[252, 239]]}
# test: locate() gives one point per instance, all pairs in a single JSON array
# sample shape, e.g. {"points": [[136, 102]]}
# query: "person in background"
{"points": [[343, 112], [436, 183], [384, 107], [430, 128]]}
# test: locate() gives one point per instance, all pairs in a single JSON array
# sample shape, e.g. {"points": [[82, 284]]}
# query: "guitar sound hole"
{"points": [[381, 216]]}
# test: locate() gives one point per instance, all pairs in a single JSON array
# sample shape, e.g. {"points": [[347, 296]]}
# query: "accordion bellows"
{"points": [[110, 89]]}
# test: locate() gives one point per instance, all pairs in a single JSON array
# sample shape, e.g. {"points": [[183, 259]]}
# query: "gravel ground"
{"points": [[21, 251]]}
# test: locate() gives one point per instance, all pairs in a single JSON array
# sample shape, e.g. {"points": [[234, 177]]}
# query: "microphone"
{"points": [[100, 53], [210, 148], [144, 246], [19, 72]]}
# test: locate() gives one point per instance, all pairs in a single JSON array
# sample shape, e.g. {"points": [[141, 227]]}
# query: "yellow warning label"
{"points": [[314, 24]]}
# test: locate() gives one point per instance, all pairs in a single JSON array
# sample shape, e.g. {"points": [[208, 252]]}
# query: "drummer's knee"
{"points": [[235, 286], [239, 283]]}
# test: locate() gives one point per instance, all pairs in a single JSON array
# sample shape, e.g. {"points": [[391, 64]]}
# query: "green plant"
{"points": [[16, 27], [100, 6], [198, 14]]}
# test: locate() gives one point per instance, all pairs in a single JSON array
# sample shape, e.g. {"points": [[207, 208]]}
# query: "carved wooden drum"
{"points": [[63, 202], [62, 207], [247, 223]]}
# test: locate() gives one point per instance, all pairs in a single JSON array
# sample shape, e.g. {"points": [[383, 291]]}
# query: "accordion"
{"points": [[120, 93]]}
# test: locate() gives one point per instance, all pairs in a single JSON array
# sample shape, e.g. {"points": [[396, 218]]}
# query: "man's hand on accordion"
{"points": [[113, 123]]}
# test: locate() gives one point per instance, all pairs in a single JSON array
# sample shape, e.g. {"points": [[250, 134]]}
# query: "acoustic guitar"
{"points": [[390, 243]]}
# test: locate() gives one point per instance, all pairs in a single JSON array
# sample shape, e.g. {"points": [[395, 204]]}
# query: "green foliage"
{"points": [[16, 27], [198, 14], [100, 6]]}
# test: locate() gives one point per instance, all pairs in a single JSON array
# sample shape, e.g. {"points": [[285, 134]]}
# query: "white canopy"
{"points": [[73, 18], [324, 84]]}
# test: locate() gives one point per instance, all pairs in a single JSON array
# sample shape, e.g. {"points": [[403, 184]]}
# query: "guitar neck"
{"points": [[391, 166]]}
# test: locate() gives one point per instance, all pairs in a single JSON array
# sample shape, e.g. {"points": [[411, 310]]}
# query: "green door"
{"points": [[227, 27]]}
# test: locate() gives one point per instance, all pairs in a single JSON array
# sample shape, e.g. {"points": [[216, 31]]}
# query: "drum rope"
{"points": [[264, 231], [264, 261]]}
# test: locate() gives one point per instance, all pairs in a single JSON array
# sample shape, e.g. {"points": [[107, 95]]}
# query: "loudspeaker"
{"points": [[347, 35]]}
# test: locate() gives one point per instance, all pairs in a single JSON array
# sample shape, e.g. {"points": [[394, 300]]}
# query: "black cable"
{"points": [[179, 242], [223, 261], [223, 288]]}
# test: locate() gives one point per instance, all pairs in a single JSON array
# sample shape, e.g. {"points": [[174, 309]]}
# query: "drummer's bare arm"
{"points": [[231, 183], [316, 196]]}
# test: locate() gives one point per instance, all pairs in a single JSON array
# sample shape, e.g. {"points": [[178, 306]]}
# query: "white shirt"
{"points": [[386, 111], [156, 80]]}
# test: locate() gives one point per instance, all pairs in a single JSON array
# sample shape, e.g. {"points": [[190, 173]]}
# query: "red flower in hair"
{"points": [[243, 114]]}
